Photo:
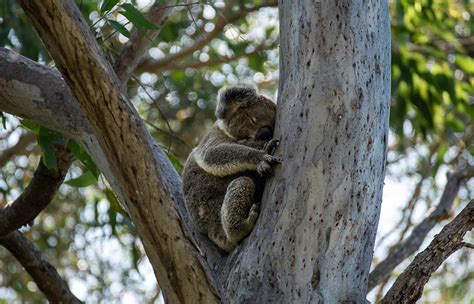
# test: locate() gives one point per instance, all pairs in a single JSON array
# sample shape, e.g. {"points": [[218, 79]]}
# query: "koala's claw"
{"points": [[253, 215], [271, 159], [264, 168], [271, 146], [254, 210]]}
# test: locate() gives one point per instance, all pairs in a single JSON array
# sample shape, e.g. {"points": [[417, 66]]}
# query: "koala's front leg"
{"points": [[239, 213], [231, 158], [265, 166]]}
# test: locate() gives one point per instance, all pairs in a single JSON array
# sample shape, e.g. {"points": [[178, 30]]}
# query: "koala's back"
{"points": [[204, 193]]}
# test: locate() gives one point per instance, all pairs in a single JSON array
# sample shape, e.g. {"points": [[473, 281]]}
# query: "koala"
{"points": [[223, 177]]}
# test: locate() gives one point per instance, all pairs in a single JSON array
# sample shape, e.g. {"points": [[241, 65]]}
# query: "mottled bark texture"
{"points": [[138, 171], [313, 242]]}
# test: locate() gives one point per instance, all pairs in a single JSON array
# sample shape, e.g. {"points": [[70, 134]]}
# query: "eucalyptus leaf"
{"points": [[83, 157], [4, 120], [114, 202], [119, 28], [33, 127], [136, 17], [86, 179], [107, 5], [47, 152], [175, 161]]}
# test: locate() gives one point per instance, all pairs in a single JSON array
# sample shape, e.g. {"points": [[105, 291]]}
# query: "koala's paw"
{"points": [[271, 145], [253, 214], [265, 166]]}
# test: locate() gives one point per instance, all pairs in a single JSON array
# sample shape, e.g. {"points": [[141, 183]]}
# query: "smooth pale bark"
{"points": [[313, 242], [139, 172]]}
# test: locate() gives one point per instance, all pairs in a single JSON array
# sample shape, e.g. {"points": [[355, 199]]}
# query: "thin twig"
{"points": [[182, 140], [223, 19], [19, 149], [221, 60], [139, 42], [155, 102]]}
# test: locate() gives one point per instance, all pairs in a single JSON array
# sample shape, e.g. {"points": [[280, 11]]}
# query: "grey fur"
{"points": [[223, 177], [233, 98]]}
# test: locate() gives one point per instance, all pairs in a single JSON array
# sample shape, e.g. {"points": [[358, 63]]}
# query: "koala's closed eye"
{"points": [[264, 133]]}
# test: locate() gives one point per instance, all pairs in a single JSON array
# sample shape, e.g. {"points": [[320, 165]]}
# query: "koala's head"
{"points": [[246, 115]]}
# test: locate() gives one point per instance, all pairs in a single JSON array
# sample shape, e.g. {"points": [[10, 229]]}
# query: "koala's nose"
{"points": [[264, 133]]}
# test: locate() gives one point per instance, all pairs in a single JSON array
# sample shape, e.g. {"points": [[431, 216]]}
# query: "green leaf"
{"points": [[4, 120], [53, 137], [176, 163], [114, 203], [465, 62], [83, 157], [136, 17], [84, 180], [119, 28], [136, 255], [113, 220], [47, 152], [256, 62], [35, 128], [107, 5]]}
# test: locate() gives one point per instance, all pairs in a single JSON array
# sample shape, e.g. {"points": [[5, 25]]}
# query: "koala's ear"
{"points": [[234, 98]]}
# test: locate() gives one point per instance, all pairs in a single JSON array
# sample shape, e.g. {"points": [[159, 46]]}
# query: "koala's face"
{"points": [[247, 115], [255, 122]]}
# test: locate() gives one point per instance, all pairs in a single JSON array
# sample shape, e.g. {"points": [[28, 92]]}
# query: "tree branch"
{"points": [[409, 285], [225, 18], [18, 149], [133, 51], [212, 62], [137, 169], [45, 182], [419, 233], [37, 195], [42, 272]]}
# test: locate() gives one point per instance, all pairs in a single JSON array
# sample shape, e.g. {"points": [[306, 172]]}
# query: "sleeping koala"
{"points": [[223, 176]]}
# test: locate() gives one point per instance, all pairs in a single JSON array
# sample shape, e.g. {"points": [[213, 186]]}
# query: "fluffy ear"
{"points": [[234, 98]]}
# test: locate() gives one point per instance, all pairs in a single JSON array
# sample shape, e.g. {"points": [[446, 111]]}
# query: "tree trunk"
{"points": [[313, 242], [139, 173]]}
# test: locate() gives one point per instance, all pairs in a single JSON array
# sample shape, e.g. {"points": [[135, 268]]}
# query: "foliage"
{"points": [[432, 72], [431, 122]]}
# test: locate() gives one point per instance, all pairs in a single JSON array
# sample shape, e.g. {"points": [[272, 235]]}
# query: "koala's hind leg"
{"points": [[217, 235], [239, 213]]}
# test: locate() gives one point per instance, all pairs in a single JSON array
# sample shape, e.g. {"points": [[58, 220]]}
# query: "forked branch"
{"points": [[37, 195], [43, 273], [419, 233], [409, 285]]}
